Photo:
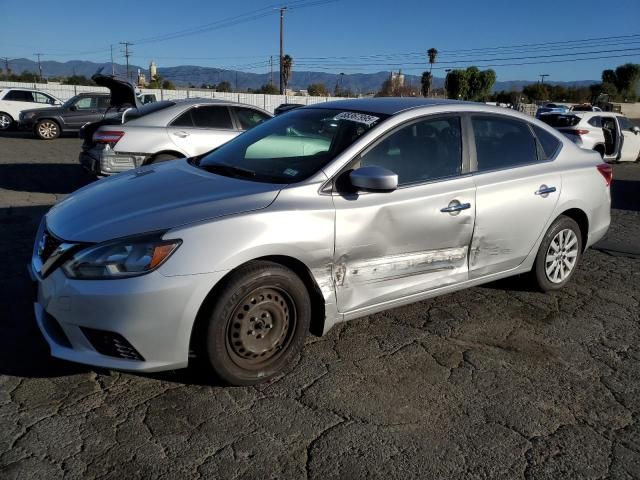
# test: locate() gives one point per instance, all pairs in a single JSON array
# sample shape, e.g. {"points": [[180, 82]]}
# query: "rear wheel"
{"points": [[258, 324], [47, 129], [559, 254], [5, 121]]}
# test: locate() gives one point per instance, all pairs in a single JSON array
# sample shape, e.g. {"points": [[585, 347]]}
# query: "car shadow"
{"points": [[625, 194], [29, 135], [43, 177]]}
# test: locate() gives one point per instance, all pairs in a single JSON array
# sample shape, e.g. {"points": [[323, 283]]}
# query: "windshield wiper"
{"points": [[228, 170]]}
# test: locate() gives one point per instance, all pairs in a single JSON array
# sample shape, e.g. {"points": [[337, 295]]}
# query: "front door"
{"points": [[517, 191], [416, 238], [83, 110]]}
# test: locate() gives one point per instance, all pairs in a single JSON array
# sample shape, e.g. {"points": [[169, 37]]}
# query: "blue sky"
{"points": [[367, 35]]}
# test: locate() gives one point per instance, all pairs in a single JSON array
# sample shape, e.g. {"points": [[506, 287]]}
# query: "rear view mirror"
{"points": [[374, 179], [635, 129]]}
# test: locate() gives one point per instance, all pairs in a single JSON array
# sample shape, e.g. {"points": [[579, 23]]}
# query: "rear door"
{"points": [[630, 140], [15, 101], [517, 191], [202, 128]]}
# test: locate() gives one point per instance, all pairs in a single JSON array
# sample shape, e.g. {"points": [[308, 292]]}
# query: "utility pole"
{"points": [[542, 77], [271, 67], [39, 65], [113, 70], [282, 10], [127, 54], [6, 65]]}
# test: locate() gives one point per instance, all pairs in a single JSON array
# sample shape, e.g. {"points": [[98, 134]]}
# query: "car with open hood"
{"points": [[328, 213], [72, 115]]}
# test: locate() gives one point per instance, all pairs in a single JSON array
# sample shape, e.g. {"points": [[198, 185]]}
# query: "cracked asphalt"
{"points": [[493, 382]]}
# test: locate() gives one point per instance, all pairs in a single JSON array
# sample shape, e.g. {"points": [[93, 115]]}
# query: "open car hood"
{"points": [[123, 93]]}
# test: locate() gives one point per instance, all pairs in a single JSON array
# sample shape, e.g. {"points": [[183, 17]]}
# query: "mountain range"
{"points": [[185, 75]]}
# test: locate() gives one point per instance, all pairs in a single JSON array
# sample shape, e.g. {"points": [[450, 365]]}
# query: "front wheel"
{"points": [[258, 324], [559, 254], [47, 130]]}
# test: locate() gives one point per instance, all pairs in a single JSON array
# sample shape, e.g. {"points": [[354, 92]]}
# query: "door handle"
{"points": [[181, 134], [543, 191], [455, 206]]}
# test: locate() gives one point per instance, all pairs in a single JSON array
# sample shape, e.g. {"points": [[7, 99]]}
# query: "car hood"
{"points": [[154, 198], [122, 93]]}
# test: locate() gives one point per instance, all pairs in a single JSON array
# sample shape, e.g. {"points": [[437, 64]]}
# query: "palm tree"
{"points": [[426, 83], [287, 64], [432, 53]]}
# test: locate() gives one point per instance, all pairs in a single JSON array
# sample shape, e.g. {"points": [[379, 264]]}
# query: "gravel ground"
{"points": [[492, 382]]}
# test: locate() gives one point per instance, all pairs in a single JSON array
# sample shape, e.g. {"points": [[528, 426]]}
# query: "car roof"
{"points": [[385, 105]]}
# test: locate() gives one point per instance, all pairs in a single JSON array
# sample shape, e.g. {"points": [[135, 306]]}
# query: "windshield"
{"points": [[291, 147]]}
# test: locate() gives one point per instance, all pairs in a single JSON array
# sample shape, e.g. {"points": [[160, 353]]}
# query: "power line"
{"points": [[127, 54]]}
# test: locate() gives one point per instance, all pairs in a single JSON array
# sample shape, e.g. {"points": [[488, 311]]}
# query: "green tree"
{"points": [[425, 83], [268, 89], [432, 53], [156, 82], [168, 85], [457, 84], [287, 66], [223, 86], [627, 77], [77, 80], [318, 90], [536, 91]]}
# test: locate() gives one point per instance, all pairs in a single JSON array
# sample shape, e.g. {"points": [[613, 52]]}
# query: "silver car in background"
{"points": [[165, 130], [328, 213]]}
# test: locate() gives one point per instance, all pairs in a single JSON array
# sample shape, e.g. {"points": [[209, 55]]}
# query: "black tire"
{"points": [[600, 150], [163, 157], [542, 265], [257, 325], [47, 129], [6, 122]]}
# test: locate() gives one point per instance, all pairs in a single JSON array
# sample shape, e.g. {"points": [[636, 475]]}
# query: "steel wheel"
{"points": [[562, 256], [48, 129], [260, 327], [5, 121]]}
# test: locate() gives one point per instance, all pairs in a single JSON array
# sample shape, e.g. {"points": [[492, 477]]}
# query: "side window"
{"points": [[503, 142], [211, 117], [86, 103], [104, 102], [424, 150], [183, 120], [595, 122], [249, 118], [42, 98], [548, 142], [625, 123], [19, 96]]}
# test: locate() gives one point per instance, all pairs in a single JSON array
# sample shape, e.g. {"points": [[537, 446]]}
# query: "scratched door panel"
{"points": [[510, 216], [390, 245]]}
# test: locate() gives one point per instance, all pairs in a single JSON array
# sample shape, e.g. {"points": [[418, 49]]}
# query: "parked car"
{"points": [[286, 107], [147, 98], [585, 107], [163, 131], [50, 123], [610, 134], [328, 213], [15, 100], [551, 108]]}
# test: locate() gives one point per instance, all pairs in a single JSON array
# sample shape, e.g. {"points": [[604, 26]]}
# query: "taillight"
{"points": [[606, 171], [579, 132], [107, 136]]}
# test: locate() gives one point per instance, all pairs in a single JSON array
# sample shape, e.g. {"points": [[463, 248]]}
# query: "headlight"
{"points": [[120, 259]]}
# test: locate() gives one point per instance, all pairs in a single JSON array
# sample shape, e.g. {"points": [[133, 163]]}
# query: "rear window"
{"points": [[559, 120], [548, 142]]}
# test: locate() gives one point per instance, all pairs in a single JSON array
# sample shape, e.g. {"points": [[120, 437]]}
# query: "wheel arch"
{"points": [[581, 218], [176, 153], [296, 266]]}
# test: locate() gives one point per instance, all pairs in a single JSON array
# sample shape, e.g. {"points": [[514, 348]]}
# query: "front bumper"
{"points": [[152, 314], [109, 162]]}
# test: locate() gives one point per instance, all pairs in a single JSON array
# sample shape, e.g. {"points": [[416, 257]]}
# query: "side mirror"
{"points": [[635, 129], [374, 179], [73, 108]]}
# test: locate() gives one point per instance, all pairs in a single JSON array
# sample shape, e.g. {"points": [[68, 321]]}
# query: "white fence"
{"points": [[267, 102]]}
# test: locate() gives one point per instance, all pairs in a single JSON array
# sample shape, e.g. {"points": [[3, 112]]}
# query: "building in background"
{"points": [[142, 80], [397, 78], [153, 70]]}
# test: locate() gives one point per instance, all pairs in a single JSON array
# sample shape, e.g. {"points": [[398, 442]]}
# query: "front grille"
{"points": [[111, 344], [47, 245]]}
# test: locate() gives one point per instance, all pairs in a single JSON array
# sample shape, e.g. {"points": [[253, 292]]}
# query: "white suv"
{"points": [[14, 100], [610, 134]]}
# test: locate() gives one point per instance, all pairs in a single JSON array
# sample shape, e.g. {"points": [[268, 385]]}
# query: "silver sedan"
{"points": [[162, 131], [325, 214]]}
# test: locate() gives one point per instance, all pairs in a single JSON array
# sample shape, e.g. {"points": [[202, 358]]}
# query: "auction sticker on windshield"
{"points": [[357, 117]]}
